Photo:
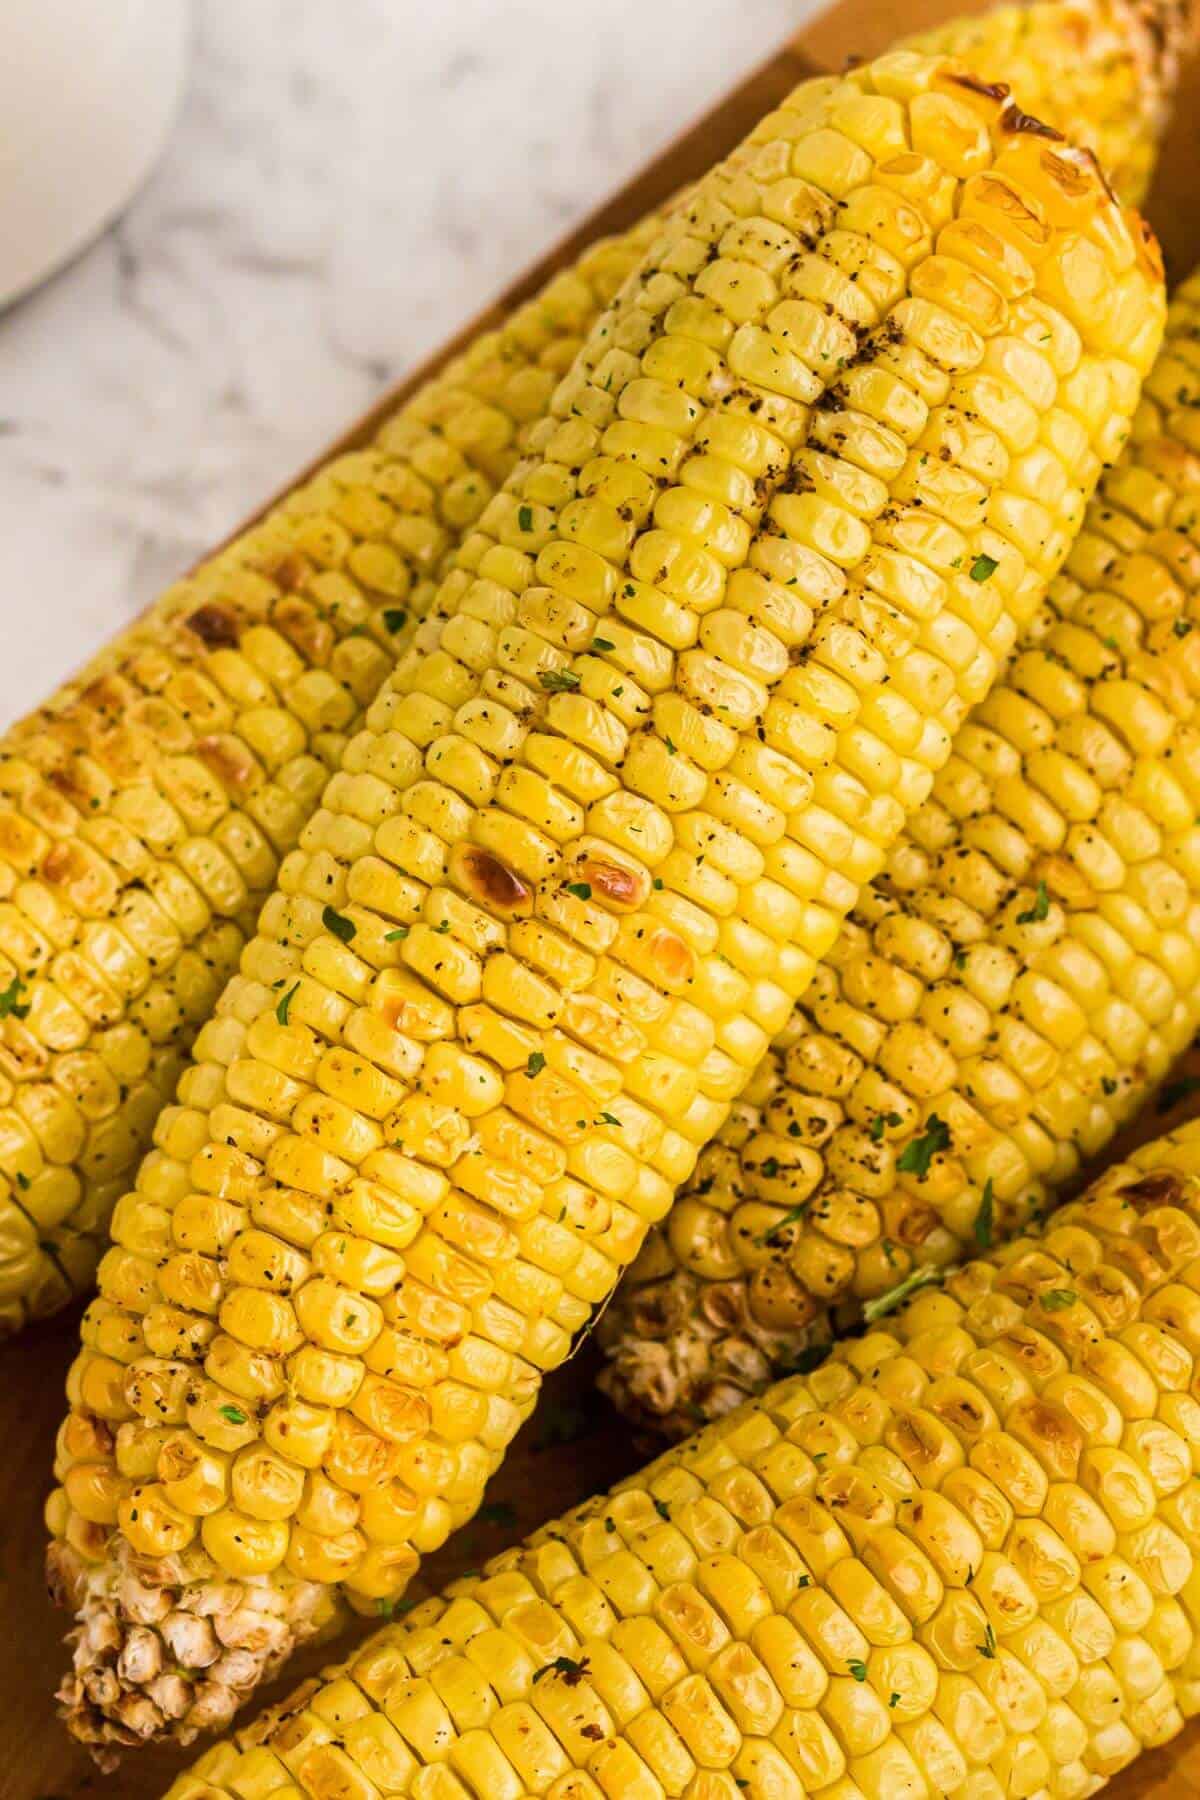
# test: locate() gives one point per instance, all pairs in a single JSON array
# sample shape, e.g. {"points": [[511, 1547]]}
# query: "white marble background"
{"points": [[348, 182]]}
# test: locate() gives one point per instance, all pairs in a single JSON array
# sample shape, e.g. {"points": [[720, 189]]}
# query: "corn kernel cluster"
{"points": [[145, 809], [1002, 999], [1102, 71], [962, 1558], [699, 658], [242, 740]]}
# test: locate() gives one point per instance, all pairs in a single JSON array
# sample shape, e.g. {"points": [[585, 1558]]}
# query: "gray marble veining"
{"points": [[346, 186]]}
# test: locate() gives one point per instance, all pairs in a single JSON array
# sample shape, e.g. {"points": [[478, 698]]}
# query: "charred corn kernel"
{"points": [[1001, 1000], [635, 566], [800, 1643], [146, 809], [1108, 64]]}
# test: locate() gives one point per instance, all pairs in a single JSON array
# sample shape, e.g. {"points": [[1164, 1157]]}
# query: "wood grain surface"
{"points": [[573, 1446]]}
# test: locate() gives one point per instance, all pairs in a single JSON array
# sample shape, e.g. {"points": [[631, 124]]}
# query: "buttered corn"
{"points": [[1001, 1000], [700, 658], [962, 1558], [145, 809], [1102, 71]]}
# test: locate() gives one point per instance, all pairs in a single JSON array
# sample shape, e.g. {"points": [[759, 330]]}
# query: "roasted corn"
{"points": [[962, 1558], [701, 656], [186, 757], [145, 809], [1102, 71], [1001, 1000]]}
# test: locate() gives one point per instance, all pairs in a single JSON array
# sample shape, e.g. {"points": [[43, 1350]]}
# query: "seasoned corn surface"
{"points": [[187, 756], [145, 809], [1101, 71], [701, 656], [1001, 1000], [959, 1559]]}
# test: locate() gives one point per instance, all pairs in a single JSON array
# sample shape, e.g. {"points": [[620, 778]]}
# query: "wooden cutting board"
{"points": [[574, 1445]]}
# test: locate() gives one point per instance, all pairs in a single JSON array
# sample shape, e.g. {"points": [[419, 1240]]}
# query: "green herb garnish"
{"points": [[11, 1004], [916, 1157], [886, 1303], [338, 923], [1039, 910]]}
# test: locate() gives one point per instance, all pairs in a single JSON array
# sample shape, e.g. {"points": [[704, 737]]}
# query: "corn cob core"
{"points": [[1101, 71], [604, 820], [145, 809], [959, 1559], [1001, 1000]]}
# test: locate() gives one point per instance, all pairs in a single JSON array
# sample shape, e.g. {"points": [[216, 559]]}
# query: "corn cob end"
{"points": [[154, 1648]]}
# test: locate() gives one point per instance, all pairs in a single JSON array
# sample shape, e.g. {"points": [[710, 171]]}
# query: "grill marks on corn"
{"points": [[455, 1211], [145, 810], [1008, 992], [960, 1557]]}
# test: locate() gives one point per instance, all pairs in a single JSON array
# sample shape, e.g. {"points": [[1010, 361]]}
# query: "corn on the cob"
{"points": [[162, 752], [144, 810], [604, 820], [962, 1558], [1101, 71], [1001, 1001]]}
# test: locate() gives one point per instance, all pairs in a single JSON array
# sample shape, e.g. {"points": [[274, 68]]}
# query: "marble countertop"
{"points": [[345, 187]]}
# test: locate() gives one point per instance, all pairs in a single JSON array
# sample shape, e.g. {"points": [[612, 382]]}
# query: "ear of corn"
{"points": [[959, 1559], [185, 758], [701, 656], [1101, 71], [1001, 1000], [145, 809]]}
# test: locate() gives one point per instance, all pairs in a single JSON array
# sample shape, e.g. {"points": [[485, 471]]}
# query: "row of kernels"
{"points": [[1146, 1001], [253, 682], [1046, 1668]]}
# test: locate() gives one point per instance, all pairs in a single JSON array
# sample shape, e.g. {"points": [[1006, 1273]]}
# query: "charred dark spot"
{"points": [[1015, 119], [67, 783], [1161, 1189], [106, 695], [216, 628], [289, 573], [492, 881], [226, 759], [62, 862], [612, 882], [992, 90]]}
